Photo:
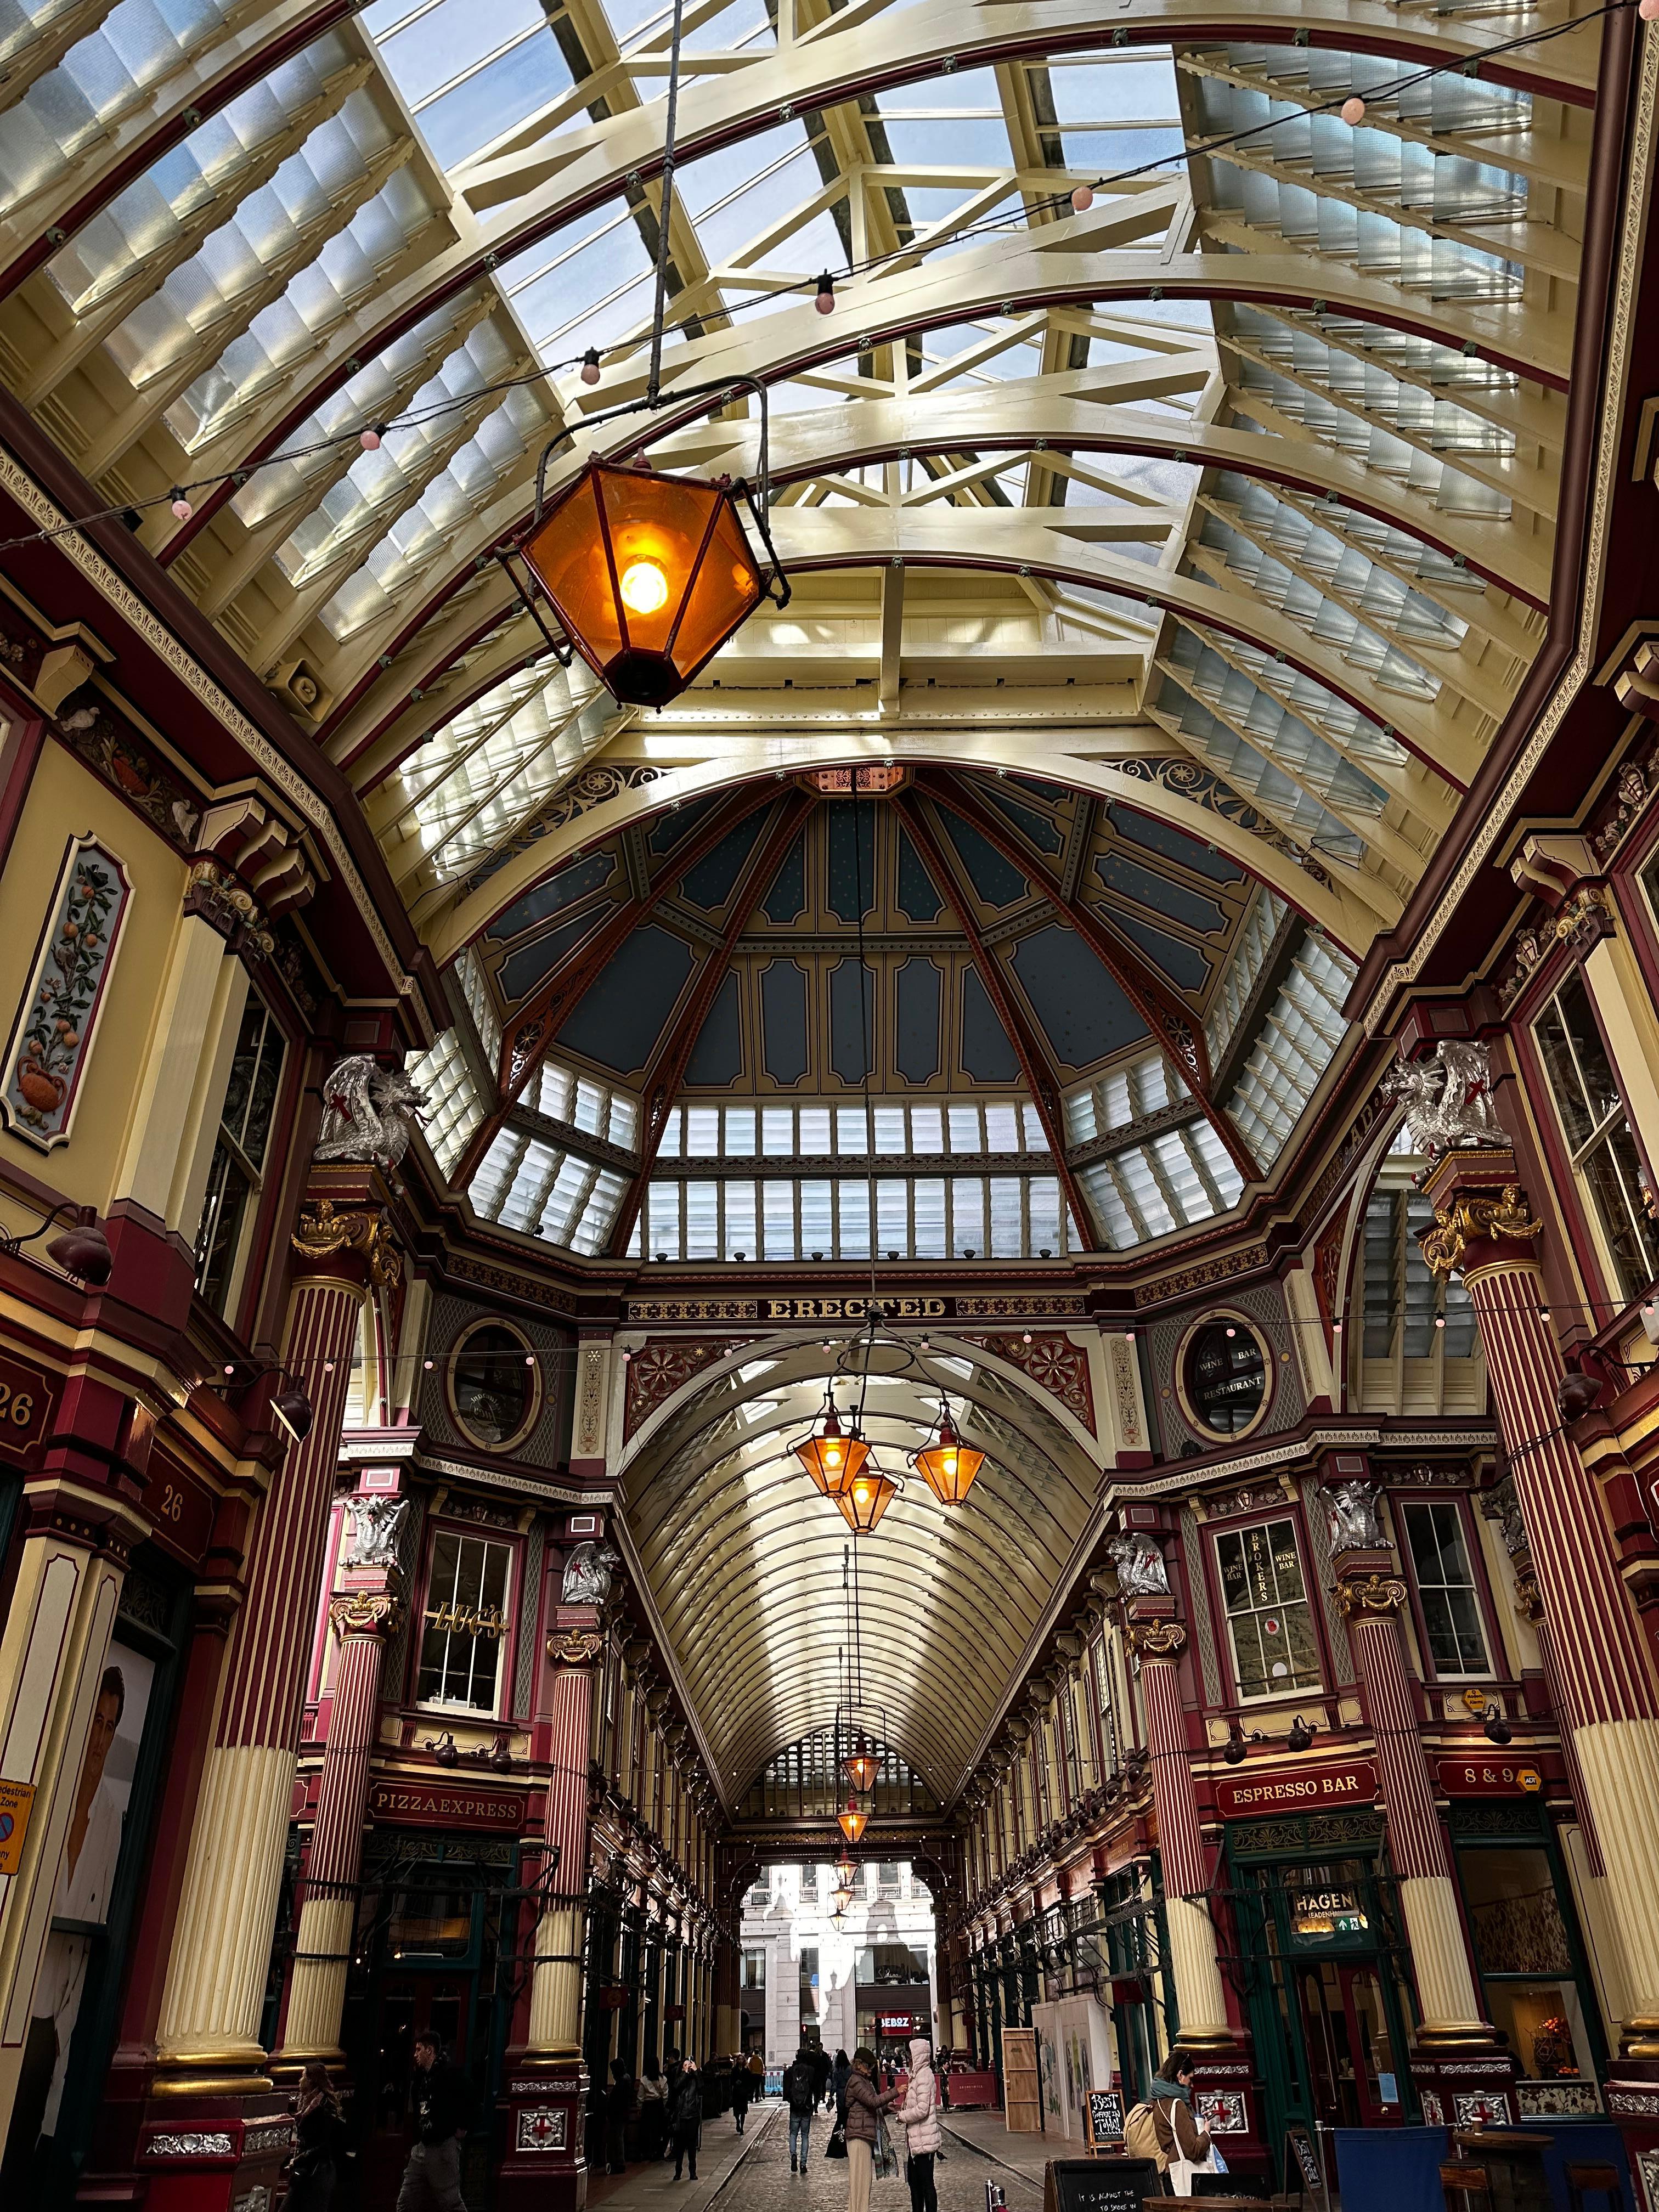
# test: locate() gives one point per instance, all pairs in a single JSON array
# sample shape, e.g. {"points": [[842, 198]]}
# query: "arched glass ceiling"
{"points": [[1255, 461], [744, 1559]]}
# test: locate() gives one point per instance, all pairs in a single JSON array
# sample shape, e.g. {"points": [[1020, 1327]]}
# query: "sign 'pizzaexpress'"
{"points": [[1300, 1790]]}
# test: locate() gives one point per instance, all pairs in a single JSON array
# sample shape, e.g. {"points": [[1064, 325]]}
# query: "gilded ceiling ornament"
{"points": [[1468, 1219], [1157, 1639], [1363, 1594], [364, 1613], [324, 1232]]}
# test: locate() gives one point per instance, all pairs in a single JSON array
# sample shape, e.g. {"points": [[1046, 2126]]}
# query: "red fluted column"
{"points": [[1455, 2049], [545, 2168], [1485, 1228], [363, 1614]]}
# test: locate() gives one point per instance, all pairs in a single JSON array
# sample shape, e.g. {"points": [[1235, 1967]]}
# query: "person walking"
{"points": [[319, 2142], [1164, 2128], [442, 2100], [865, 2104], [843, 2067], [920, 2117], [824, 2075], [742, 2085], [684, 2116], [800, 2094]]}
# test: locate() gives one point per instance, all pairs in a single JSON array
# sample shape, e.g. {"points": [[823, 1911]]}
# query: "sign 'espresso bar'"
{"points": [[1353, 1785]]}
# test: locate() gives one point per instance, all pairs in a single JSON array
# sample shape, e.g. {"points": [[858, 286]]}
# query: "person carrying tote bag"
{"points": [[1183, 2146]]}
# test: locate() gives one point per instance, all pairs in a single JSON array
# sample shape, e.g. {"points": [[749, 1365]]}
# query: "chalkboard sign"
{"points": [[1105, 2116], [1304, 2175], [1099, 2184]]}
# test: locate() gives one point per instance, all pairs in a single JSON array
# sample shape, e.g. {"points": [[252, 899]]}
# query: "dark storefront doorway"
{"points": [[1321, 1964], [429, 1941]]}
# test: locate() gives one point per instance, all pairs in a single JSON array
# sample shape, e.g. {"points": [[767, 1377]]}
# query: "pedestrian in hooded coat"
{"points": [[865, 2104], [919, 2115]]}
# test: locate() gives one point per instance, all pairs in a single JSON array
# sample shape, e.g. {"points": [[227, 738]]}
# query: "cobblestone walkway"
{"points": [[764, 2182]]}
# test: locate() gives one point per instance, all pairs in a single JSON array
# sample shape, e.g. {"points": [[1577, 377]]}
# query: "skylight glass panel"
{"points": [[470, 73], [453, 1108]]}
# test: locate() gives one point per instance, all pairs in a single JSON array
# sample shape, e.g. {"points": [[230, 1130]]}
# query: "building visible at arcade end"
{"points": [[830, 951]]}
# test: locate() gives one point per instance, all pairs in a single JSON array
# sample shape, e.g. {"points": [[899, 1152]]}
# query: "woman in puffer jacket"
{"points": [[865, 2106], [919, 2114]]}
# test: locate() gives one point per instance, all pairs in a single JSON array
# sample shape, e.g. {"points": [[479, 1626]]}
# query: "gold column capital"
{"points": [[1475, 1216], [1373, 1594], [364, 1613], [1157, 1639], [327, 1231]]}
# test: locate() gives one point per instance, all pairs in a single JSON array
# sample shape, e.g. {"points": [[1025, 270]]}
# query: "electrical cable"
{"points": [[697, 322]]}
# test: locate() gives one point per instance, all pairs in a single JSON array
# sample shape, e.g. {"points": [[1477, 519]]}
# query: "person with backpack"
{"points": [[800, 2092], [1164, 2129], [918, 2114], [442, 2100]]}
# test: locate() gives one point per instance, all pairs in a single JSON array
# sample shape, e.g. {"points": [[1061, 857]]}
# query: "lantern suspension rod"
{"points": [[655, 380]]}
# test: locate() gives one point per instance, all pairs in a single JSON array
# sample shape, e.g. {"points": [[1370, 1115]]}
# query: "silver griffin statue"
{"points": [[1352, 1506], [1449, 1098], [587, 1575], [376, 1525], [1140, 1569], [367, 1112]]}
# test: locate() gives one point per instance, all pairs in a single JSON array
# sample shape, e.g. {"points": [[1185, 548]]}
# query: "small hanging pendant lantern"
{"points": [[947, 1464], [845, 1874], [864, 1498], [830, 1456], [860, 1765], [852, 1822], [649, 574], [843, 1898]]}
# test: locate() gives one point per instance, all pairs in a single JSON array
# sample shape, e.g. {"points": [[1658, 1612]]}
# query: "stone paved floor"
{"points": [[752, 2174]]}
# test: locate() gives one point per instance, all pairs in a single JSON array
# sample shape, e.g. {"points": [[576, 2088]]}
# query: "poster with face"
{"points": [[85, 1877]]}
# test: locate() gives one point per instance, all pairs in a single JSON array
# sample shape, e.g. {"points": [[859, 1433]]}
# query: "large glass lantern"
{"points": [[860, 1765], [947, 1464], [649, 574], [852, 1822], [864, 1498], [829, 1455]]}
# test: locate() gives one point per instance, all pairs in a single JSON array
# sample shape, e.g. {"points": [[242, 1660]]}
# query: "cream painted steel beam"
{"points": [[533, 193]]}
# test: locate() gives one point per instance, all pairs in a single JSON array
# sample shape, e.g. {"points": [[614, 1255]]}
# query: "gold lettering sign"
{"points": [[853, 1309], [466, 1620]]}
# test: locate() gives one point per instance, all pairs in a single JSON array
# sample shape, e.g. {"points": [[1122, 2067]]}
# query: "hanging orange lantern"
{"points": [[846, 1874], [860, 1765], [864, 1498], [830, 1456], [947, 1464], [649, 574], [852, 1822], [843, 1898]]}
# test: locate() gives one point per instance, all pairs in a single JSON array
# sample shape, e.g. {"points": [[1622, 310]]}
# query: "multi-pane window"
{"points": [[1295, 1045], [823, 1217], [1126, 1093], [546, 1189], [1269, 1620], [1445, 1587], [1598, 1134], [453, 1108], [235, 1175], [464, 1626], [816, 1132], [1163, 1183], [753, 1962]]}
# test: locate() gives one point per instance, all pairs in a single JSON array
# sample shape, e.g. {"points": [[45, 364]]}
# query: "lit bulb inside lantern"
{"points": [[644, 587], [861, 1493], [832, 1454], [948, 1460]]}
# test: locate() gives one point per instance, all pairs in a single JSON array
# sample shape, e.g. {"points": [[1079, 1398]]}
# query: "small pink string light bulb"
{"points": [[181, 506], [1082, 198], [825, 302], [370, 441], [1353, 110], [590, 366], [1648, 11]]}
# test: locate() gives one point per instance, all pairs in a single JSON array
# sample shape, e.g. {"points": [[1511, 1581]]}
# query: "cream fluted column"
{"points": [[1158, 1640], [1485, 1230], [207, 2036]]}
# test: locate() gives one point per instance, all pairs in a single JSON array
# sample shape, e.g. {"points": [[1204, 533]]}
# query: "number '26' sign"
{"points": [[28, 1395]]}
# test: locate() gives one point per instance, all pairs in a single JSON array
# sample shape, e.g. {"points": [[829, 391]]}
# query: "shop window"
{"points": [[236, 1174], [1446, 1589], [465, 1622], [434, 1922], [1598, 1134], [1525, 1957], [494, 1386], [1269, 1621], [754, 1963]]}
